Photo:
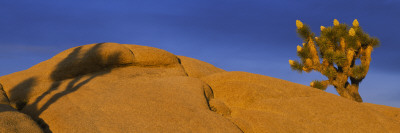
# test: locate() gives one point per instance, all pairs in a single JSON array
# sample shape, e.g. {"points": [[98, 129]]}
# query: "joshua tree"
{"points": [[334, 54]]}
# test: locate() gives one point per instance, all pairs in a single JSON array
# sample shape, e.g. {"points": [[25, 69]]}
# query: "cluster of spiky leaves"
{"points": [[334, 53], [322, 85]]}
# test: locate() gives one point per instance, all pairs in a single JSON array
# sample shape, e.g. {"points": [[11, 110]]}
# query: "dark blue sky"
{"points": [[256, 36]]}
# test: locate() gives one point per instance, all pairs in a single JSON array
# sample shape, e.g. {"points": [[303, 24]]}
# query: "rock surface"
{"points": [[259, 103], [111, 87], [13, 121]]}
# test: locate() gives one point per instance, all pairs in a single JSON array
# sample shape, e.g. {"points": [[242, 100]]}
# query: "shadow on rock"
{"points": [[76, 67]]}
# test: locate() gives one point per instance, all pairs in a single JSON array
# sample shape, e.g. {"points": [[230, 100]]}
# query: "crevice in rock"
{"points": [[43, 125], [208, 101], [19, 105], [180, 62], [4, 94], [236, 126], [213, 109], [219, 107], [130, 51]]}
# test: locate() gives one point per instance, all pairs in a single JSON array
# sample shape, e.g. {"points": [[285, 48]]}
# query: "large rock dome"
{"points": [[111, 87]]}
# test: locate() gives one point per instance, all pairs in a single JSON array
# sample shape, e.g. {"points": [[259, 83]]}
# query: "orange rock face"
{"points": [[111, 87]]}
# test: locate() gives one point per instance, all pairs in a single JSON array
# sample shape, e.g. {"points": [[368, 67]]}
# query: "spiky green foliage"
{"points": [[295, 65], [322, 85], [334, 54]]}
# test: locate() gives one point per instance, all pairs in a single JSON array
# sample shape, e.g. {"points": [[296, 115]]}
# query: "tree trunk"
{"points": [[350, 92], [353, 90]]}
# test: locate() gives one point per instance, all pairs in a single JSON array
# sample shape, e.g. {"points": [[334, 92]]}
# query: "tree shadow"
{"points": [[5, 108], [20, 92], [76, 67]]}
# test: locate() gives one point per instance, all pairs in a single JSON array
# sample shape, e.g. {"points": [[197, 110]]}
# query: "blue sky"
{"points": [[256, 36]]}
